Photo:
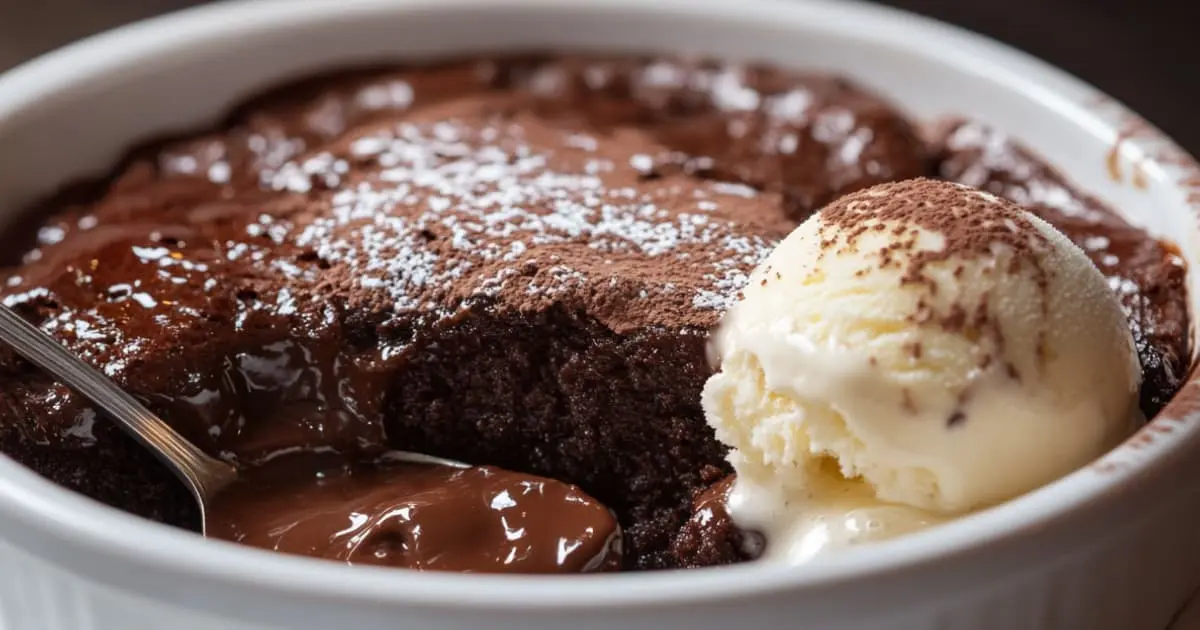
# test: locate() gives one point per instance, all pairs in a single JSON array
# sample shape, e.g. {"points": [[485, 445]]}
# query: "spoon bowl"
{"points": [[205, 476]]}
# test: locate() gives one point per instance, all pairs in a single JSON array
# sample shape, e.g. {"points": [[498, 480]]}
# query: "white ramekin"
{"points": [[1115, 545]]}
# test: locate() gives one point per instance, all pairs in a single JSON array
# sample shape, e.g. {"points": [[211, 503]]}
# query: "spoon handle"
{"points": [[203, 475]]}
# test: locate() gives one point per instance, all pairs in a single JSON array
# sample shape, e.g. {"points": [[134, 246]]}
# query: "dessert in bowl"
{"points": [[516, 261]]}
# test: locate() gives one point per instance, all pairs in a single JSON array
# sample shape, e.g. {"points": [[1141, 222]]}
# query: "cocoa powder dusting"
{"points": [[973, 225]]}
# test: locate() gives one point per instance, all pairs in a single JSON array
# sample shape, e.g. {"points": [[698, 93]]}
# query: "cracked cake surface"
{"points": [[511, 262]]}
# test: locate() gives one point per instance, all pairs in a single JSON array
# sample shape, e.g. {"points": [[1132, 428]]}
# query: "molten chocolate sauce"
{"points": [[478, 519]]}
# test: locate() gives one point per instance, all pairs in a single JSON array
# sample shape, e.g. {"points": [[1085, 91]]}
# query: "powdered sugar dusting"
{"points": [[448, 210]]}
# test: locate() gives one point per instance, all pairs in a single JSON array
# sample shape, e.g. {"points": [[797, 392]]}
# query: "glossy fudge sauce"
{"points": [[514, 263], [478, 519]]}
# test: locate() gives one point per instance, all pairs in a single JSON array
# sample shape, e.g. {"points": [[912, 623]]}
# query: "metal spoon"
{"points": [[203, 475]]}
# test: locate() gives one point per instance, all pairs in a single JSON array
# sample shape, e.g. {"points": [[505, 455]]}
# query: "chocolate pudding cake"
{"points": [[514, 263]]}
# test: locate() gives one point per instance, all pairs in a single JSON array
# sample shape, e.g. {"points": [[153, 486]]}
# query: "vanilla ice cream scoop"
{"points": [[914, 351]]}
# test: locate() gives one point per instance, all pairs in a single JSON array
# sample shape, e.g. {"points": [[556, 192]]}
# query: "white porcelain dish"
{"points": [[1114, 546]]}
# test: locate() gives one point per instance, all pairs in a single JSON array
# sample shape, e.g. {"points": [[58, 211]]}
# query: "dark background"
{"points": [[1143, 52]]}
